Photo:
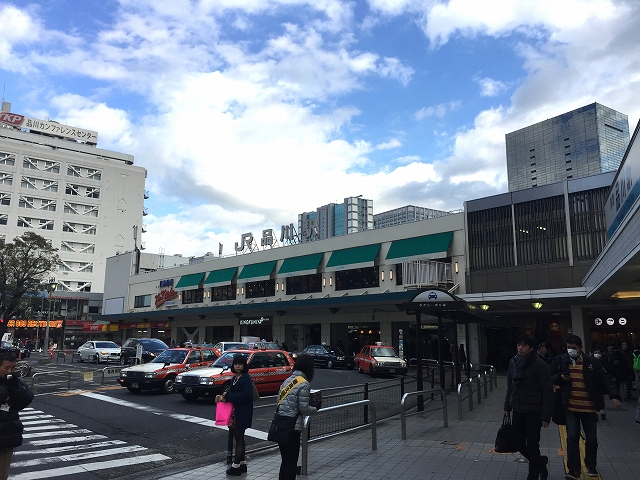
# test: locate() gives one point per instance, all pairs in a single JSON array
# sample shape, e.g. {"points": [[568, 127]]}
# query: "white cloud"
{"points": [[490, 87], [393, 143], [408, 159], [437, 111]]}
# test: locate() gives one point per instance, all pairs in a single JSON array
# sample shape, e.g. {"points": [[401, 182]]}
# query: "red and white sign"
{"points": [[11, 118], [165, 295], [50, 128]]}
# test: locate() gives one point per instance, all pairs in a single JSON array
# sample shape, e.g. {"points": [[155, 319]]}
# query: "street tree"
{"points": [[25, 266]]}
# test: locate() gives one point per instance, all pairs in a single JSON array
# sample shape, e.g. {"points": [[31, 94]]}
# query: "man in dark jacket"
{"points": [[530, 396], [583, 382], [14, 396]]}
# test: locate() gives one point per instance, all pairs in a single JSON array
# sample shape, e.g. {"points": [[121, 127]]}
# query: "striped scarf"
{"points": [[579, 400]]}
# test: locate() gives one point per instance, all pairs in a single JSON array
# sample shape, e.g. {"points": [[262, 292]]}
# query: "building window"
{"points": [[4, 219], [265, 288], [192, 296], [357, 278], [304, 284], [224, 292], [141, 301], [490, 239]]}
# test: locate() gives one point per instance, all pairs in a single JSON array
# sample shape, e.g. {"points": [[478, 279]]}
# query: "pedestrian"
{"points": [[530, 397], [295, 403], [462, 355], [240, 393], [544, 354], [14, 396], [636, 365], [620, 371], [582, 382]]}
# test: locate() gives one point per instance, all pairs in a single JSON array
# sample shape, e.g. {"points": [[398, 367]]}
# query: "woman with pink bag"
{"points": [[240, 394]]}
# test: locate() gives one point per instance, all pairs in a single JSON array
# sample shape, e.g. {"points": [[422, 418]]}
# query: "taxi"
{"points": [[162, 370], [222, 347], [379, 358], [268, 369]]}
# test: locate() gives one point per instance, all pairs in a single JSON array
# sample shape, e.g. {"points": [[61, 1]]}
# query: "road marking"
{"points": [[205, 422], [78, 456], [71, 393], [49, 451], [47, 420], [58, 441], [34, 428], [58, 433], [88, 467]]}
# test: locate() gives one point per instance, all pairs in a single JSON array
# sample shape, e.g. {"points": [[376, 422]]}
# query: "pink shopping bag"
{"points": [[223, 413]]}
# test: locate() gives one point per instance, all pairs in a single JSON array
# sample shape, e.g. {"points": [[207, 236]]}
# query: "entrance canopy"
{"points": [[434, 303]]}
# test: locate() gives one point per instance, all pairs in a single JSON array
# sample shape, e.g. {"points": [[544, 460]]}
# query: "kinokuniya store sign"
{"points": [[255, 321]]}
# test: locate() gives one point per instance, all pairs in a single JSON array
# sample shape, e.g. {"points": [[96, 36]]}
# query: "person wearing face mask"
{"points": [[530, 397], [582, 382]]}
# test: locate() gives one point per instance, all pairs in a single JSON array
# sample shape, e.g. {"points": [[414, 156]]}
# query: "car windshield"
{"points": [[106, 345], [383, 352], [334, 350], [226, 359], [153, 345], [171, 356], [6, 345]]}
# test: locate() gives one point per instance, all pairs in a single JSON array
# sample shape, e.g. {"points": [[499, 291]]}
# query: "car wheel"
{"points": [[360, 368], [23, 368], [80, 359], [123, 361], [329, 364], [133, 390], [190, 397], [169, 384]]}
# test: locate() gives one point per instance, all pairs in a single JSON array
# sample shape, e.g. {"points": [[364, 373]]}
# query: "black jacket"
{"points": [[14, 396], [534, 393], [596, 379]]}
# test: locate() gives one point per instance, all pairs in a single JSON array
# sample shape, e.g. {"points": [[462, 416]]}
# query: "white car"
{"points": [[99, 351]]}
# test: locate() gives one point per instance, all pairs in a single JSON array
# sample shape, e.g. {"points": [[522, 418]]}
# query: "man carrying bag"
{"points": [[530, 397]]}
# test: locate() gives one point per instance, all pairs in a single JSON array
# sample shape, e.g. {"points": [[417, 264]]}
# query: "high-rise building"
{"points": [[586, 141], [355, 214], [55, 182], [406, 214]]}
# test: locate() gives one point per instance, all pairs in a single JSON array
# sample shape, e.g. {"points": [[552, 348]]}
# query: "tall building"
{"points": [[355, 214], [86, 200], [406, 214], [586, 141]]}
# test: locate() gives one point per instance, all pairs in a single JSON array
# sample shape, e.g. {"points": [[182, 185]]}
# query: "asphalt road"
{"points": [[102, 431]]}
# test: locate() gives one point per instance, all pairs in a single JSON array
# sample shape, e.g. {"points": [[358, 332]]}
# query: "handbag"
{"points": [[506, 439], [558, 414], [282, 427], [224, 410]]}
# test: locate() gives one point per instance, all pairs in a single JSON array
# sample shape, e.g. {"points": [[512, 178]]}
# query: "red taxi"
{"points": [[268, 369], [162, 371], [380, 358]]}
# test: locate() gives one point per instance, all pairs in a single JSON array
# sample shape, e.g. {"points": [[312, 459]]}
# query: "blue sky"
{"points": [[246, 112]]}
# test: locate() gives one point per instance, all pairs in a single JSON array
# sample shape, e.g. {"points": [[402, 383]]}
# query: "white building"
{"points": [[86, 200]]}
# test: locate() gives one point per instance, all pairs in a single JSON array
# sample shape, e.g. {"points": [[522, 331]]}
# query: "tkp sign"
{"points": [[11, 118]]}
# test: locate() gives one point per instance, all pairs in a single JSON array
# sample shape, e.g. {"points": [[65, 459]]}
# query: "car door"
{"points": [[279, 368], [208, 356], [195, 359], [259, 371], [313, 351], [84, 351]]}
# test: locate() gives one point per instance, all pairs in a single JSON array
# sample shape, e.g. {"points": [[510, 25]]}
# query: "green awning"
{"points": [[356, 257], [257, 271], [427, 246], [220, 277], [189, 282], [305, 265]]}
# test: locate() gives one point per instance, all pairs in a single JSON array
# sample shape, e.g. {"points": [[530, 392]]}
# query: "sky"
{"points": [[246, 113]]}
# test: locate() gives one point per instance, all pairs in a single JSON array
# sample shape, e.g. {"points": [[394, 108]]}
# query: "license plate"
{"points": [[392, 370], [134, 385], [188, 390]]}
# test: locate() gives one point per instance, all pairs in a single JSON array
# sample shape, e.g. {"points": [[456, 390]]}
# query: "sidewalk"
{"points": [[463, 451]]}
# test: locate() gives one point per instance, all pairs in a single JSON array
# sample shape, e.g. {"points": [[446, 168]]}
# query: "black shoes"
{"points": [[593, 471], [243, 468], [572, 476], [234, 472], [544, 471]]}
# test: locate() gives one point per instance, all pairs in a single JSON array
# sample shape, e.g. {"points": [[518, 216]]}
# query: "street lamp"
{"points": [[51, 287]]}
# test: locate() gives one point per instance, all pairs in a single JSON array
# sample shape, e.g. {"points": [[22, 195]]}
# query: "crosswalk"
{"points": [[54, 448]]}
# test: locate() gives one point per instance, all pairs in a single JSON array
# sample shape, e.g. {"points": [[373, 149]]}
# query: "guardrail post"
{"points": [[453, 377], [460, 402], [305, 445], [401, 386], [484, 382], [443, 396], [479, 392], [366, 397], [374, 427], [470, 388]]}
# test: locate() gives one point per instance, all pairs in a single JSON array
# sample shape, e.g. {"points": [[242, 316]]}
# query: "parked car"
{"points": [[151, 348], [329, 357], [99, 351], [268, 369], [222, 347], [378, 358], [162, 370], [20, 352]]}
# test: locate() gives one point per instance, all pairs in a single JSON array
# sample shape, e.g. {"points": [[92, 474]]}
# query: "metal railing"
{"points": [[403, 408], [106, 372], [307, 425], [480, 380]]}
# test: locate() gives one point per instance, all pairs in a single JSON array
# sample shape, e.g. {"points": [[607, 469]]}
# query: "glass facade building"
{"points": [[586, 141], [406, 214], [355, 214]]}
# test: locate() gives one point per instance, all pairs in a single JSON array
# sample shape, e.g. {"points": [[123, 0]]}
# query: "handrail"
{"points": [[403, 413], [40, 374], [307, 423], [469, 383], [104, 371]]}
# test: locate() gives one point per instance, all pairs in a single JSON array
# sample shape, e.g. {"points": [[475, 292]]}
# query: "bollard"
{"points": [[366, 409]]}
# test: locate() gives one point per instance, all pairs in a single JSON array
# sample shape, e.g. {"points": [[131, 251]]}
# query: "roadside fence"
{"points": [[71, 379]]}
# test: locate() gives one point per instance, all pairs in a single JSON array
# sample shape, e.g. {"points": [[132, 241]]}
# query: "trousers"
{"points": [[528, 426]]}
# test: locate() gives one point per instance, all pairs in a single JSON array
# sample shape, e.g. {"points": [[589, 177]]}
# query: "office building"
{"points": [[584, 142], [406, 214], [355, 214], [55, 181]]}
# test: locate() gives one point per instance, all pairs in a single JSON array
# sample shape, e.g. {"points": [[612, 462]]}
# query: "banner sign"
{"points": [[51, 128], [34, 323]]}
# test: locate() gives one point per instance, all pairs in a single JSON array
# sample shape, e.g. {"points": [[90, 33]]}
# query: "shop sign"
{"points": [[255, 321], [49, 127], [166, 283], [165, 295], [610, 321], [34, 323], [145, 325]]}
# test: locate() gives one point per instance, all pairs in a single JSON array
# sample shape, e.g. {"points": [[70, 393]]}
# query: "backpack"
{"points": [[636, 362]]}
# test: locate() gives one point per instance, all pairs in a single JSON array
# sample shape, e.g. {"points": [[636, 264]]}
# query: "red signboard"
{"points": [[11, 118], [165, 295]]}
